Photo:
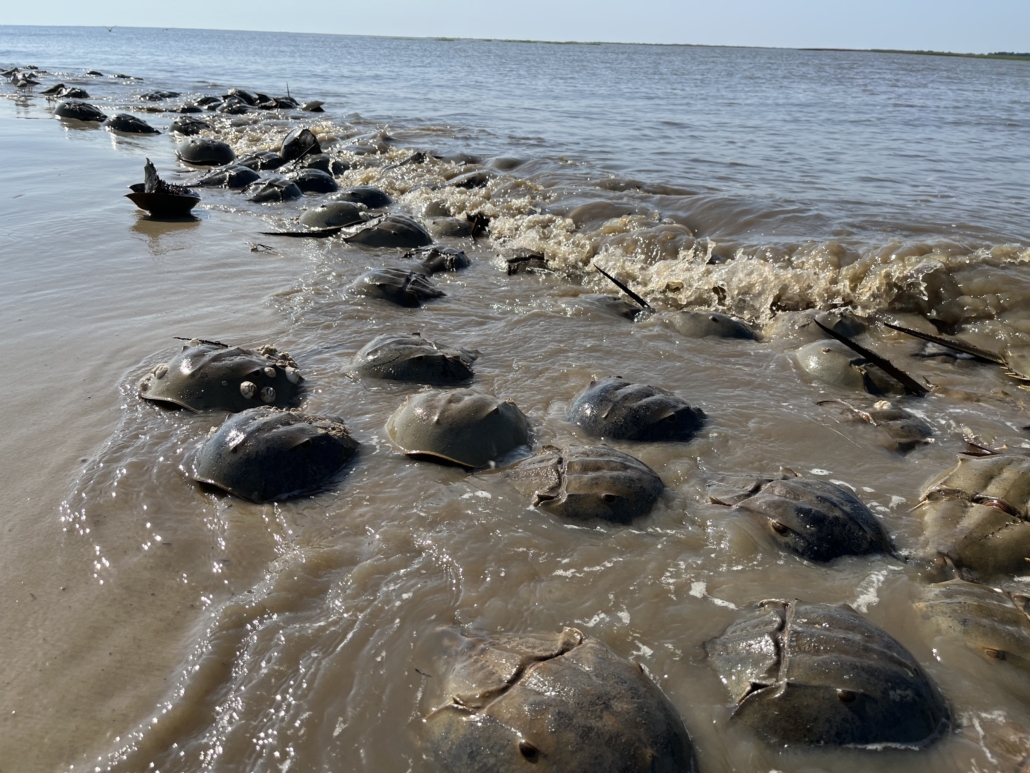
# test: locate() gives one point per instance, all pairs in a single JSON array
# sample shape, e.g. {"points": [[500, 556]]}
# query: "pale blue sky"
{"points": [[951, 25]]}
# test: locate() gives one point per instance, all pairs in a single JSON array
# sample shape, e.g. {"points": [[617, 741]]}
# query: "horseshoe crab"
{"points": [[79, 111], [161, 199], [265, 454], [616, 409], [204, 151], [462, 426], [299, 142], [207, 375], [405, 288], [314, 181], [902, 431], [815, 519], [801, 324], [129, 124], [436, 258], [804, 673], [587, 483], [996, 623], [72, 92], [709, 324], [565, 702], [392, 231], [232, 177], [273, 190], [189, 126], [263, 161], [370, 196], [834, 363], [414, 358], [333, 215], [976, 515], [1016, 364]]}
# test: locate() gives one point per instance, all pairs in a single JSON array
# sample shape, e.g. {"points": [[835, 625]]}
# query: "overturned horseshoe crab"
{"points": [[159, 198], [977, 518], [462, 426], [615, 409], [588, 483], [392, 231], [566, 702], [405, 288], [815, 519], [265, 454], [901, 430], [820, 674], [414, 358], [207, 376]]}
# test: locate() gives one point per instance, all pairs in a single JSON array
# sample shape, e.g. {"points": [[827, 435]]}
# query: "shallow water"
{"points": [[149, 622]]}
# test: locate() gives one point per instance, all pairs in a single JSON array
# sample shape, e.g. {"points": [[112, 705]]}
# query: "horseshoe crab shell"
{"points": [[392, 231], [587, 483], [436, 258], [233, 177], [414, 358], [207, 376], [709, 324], [405, 288], [333, 214], [79, 111], [204, 151], [803, 673], [566, 702], [616, 409], [264, 454], [994, 622], [977, 515], [815, 519], [834, 363], [900, 430], [129, 124], [469, 428]]}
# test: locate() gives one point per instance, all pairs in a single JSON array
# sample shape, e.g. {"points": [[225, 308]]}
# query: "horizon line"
{"points": [[448, 38]]}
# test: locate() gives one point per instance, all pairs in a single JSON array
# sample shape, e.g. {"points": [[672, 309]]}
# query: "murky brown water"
{"points": [[150, 625]]}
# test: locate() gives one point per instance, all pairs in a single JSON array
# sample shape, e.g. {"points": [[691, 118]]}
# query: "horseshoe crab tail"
{"points": [[643, 304], [959, 346], [912, 386]]}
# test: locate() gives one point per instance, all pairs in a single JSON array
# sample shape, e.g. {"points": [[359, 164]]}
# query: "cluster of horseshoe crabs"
{"points": [[795, 672]]}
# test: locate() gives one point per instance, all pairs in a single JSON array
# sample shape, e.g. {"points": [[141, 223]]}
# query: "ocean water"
{"points": [[148, 624]]}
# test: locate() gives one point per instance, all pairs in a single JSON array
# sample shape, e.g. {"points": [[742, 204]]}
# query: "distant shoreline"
{"points": [[998, 55], [1017, 56]]}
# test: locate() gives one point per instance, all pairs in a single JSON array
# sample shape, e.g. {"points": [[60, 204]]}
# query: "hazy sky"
{"points": [[950, 25]]}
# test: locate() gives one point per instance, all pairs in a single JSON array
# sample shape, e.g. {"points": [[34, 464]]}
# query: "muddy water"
{"points": [[148, 623]]}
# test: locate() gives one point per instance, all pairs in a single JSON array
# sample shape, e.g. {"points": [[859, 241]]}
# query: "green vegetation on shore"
{"points": [[996, 55]]}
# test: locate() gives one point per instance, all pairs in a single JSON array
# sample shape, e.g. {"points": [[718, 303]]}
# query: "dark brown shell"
{"points": [[210, 376], [587, 483], [821, 674], [266, 454], [545, 704], [615, 409]]}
